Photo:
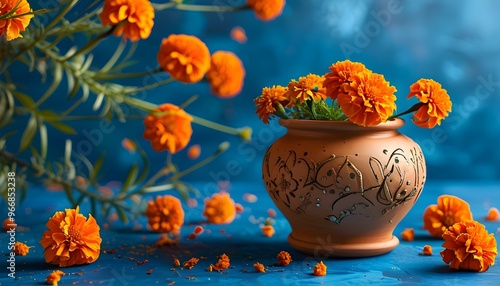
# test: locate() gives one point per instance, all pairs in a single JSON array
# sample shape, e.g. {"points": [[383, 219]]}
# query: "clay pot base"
{"points": [[343, 250]]}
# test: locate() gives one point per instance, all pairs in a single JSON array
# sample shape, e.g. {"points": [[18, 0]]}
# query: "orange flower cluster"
{"points": [[165, 214], [185, 58], [133, 18], [468, 246], [71, 239], [21, 248], [220, 209], [284, 258], [15, 24], [366, 98], [448, 211], [319, 269], [168, 128], [226, 74], [223, 262], [308, 87], [436, 103], [54, 277], [363, 97], [190, 263], [267, 10], [269, 101], [259, 267]]}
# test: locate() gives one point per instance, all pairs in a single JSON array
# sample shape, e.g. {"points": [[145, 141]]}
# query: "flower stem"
{"points": [[90, 45], [410, 110], [200, 8]]}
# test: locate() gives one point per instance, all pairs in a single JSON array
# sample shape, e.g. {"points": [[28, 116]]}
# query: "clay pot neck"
{"points": [[341, 128]]}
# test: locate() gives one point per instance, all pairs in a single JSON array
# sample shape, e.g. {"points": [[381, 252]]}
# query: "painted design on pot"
{"points": [[338, 181]]}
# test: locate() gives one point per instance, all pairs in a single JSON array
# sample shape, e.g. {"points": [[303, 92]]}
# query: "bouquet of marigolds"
{"points": [[350, 91], [53, 46]]}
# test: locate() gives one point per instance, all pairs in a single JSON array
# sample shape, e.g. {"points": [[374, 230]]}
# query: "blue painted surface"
{"points": [[243, 242]]}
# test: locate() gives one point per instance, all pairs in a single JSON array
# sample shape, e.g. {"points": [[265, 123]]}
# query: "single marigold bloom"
{"points": [[319, 269], [408, 234], [226, 74], [268, 230], [308, 87], [369, 99], [165, 214], [468, 246], [493, 214], [259, 267], [14, 25], [284, 258], [194, 152], [134, 18], [54, 277], [185, 58], [21, 248], [222, 263], [341, 75], [427, 250], [71, 239], [268, 101], [8, 224], [266, 10], [448, 211], [168, 128], [436, 103], [191, 263], [220, 209]]}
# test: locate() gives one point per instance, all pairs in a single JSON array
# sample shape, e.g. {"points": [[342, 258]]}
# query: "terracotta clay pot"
{"points": [[343, 188]]}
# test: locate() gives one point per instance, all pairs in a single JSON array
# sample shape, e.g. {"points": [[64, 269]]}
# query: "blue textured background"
{"points": [[456, 45]]}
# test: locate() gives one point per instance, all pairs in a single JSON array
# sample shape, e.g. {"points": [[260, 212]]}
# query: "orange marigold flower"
{"points": [[493, 214], [14, 24], [185, 58], [408, 234], [308, 87], [448, 211], [8, 224], [222, 263], [266, 10], [134, 18], [468, 246], [226, 74], [54, 277], [284, 258], [169, 130], [268, 230], [194, 152], [259, 267], [369, 99], [165, 214], [436, 103], [239, 35], [427, 250], [191, 263], [319, 269], [270, 98], [21, 248], [341, 75], [71, 239], [220, 209]]}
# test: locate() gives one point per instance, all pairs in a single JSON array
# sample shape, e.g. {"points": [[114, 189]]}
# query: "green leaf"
{"points": [[63, 127], [28, 134], [145, 164], [47, 115], [97, 168], [69, 194], [131, 177], [24, 99]]}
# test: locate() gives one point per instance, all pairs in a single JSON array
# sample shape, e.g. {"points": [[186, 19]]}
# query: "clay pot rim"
{"points": [[392, 124]]}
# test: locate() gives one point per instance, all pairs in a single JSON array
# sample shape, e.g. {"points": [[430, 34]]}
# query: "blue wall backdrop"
{"points": [[454, 43]]}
